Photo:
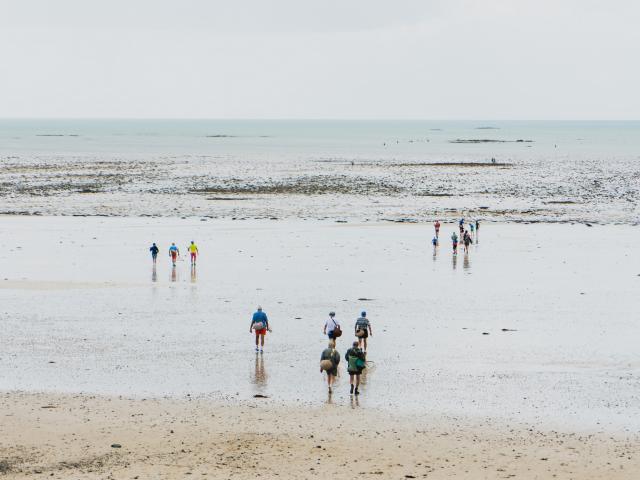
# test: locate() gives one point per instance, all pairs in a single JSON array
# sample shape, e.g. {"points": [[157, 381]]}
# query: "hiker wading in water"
{"points": [[329, 361], [355, 365], [259, 323], [363, 330]]}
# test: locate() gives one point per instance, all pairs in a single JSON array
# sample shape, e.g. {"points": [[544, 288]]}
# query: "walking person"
{"points": [[363, 330], [329, 361], [193, 250], [477, 231], [434, 242], [472, 227], [174, 253], [467, 241], [154, 252], [454, 242], [437, 228], [260, 324], [355, 358], [332, 327]]}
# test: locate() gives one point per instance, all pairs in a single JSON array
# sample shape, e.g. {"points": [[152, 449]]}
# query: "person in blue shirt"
{"points": [[174, 253], [154, 252], [260, 324]]}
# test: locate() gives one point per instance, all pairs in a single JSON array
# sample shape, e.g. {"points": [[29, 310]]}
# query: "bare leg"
{"points": [[262, 340]]}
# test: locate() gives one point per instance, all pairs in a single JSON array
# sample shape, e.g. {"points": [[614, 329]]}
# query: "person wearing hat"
{"points": [[363, 330], [259, 323], [329, 360], [332, 327], [355, 364]]}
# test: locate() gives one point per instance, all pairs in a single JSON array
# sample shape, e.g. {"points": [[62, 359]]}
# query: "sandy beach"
{"points": [[87, 437]]}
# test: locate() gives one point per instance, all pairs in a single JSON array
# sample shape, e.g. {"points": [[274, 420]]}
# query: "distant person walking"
{"points": [[472, 227], [332, 327], [363, 330], [329, 361], [454, 242], [193, 250], [437, 228], [477, 231], [174, 253], [355, 358], [467, 241], [154, 252], [260, 324], [434, 242]]}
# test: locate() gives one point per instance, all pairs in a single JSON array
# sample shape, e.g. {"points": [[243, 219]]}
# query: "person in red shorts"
{"points": [[260, 324], [174, 253]]}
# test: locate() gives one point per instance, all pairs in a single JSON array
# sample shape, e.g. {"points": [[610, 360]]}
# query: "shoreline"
{"points": [[326, 221], [90, 436]]}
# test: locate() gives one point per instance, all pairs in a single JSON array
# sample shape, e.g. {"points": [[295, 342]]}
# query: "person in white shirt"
{"points": [[332, 327]]}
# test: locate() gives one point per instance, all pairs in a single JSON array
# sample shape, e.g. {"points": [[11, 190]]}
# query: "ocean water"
{"points": [[349, 170]]}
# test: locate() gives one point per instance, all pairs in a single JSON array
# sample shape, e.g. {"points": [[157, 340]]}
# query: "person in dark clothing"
{"points": [[355, 364], [332, 355], [154, 252]]}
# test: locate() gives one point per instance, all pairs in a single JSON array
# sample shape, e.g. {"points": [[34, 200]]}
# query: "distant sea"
{"points": [[545, 171]]}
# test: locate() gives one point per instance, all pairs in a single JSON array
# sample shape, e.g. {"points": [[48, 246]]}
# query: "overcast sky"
{"points": [[449, 59]]}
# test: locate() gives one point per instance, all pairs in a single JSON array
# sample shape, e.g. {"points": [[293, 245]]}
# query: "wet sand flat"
{"points": [[534, 325], [89, 437]]}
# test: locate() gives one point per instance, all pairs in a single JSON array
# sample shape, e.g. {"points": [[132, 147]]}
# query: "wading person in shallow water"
{"points": [[454, 242], [467, 241], [154, 252], [332, 327], [174, 253], [329, 360], [355, 364], [260, 324], [363, 330]]}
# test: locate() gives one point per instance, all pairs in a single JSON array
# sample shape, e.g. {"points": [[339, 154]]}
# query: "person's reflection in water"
{"points": [[174, 274], [194, 275], [154, 274], [260, 374], [355, 401], [465, 264], [454, 261]]}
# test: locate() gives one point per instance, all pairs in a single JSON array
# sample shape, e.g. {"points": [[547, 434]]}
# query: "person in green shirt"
{"points": [[355, 364]]}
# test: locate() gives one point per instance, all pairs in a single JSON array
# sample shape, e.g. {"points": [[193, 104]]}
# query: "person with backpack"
{"points": [[467, 241], [363, 330], [329, 361], [260, 324], [355, 364], [332, 327]]}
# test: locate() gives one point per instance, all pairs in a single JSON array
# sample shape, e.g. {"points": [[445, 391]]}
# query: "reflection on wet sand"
{"points": [[355, 401], [194, 275], [260, 375], [154, 274], [466, 264], [454, 261], [174, 274], [435, 252]]}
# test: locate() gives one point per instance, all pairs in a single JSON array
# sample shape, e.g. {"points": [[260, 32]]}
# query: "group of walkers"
{"points": [[466, 238], [356, 356], [174, 253]]}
